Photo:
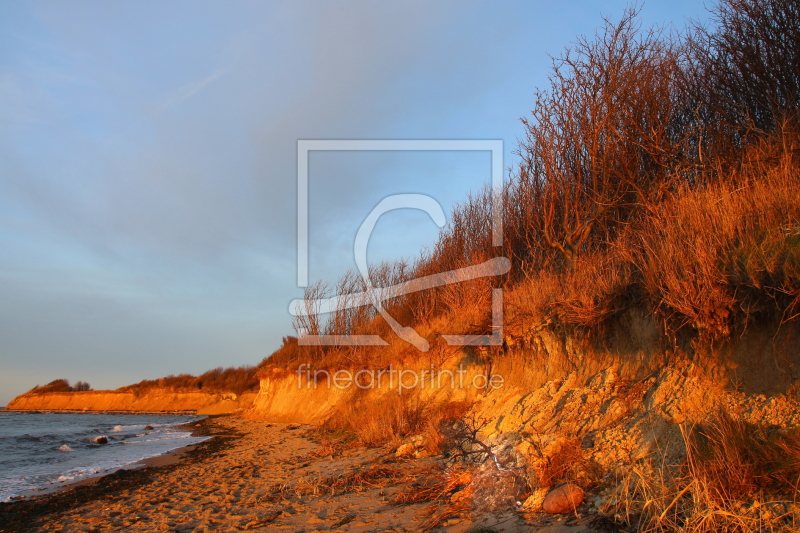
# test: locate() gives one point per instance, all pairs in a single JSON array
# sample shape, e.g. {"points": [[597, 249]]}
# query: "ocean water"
{"points": [[48, 450]]}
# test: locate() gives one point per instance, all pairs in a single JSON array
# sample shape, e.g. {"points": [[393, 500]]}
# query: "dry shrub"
{"points": [[737, 477], [585, 295], [468, 302], [561, 465], [431, 484], [450, 491], [594, 290], [559, 461], [710, 254], [439, 420], [532, 300], [371, 477], [379, 421], [237, 380], [462, 441], [747, 63], [460, 490], [289, 354], [738, 459], [60, 385], [647, 169]]}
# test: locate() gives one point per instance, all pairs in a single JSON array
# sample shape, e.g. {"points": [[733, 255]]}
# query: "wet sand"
{"points": [[255, 476]]}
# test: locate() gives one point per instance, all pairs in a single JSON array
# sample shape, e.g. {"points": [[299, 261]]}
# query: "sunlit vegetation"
{"points": [[658, 170], [61, 385], [236, 380]]}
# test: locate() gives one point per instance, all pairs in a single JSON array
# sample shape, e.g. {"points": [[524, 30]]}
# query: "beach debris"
{"points": [[349, 517], [263, 520], [563, 499]]}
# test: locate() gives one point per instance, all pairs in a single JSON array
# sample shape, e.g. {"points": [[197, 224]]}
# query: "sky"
{"points": [[148, 160]]}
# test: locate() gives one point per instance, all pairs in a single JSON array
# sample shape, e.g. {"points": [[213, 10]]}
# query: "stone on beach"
{"points": [[563, 499]]}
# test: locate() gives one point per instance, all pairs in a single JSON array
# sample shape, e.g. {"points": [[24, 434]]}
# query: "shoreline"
{"points": [[190, 412], [259, 476], [165, 459], [196, 428], [24, 514]]}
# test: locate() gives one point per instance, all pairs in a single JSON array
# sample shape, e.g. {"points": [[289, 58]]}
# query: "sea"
{"points": [[45, 451]]}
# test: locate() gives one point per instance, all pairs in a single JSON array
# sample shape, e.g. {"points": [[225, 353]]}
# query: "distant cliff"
{"points": [[154, 400]]}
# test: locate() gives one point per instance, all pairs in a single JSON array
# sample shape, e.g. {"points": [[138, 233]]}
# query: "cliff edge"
{"points": [[155, 400]]}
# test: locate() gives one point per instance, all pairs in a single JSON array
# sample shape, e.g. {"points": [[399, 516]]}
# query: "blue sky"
{"points": [[148, 160]]}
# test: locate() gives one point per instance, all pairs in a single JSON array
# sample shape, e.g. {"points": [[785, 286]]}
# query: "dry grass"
{"points": [[375, 423], [375, 476], [449, 491], [459, 491], [736, 478], [563, 464], [710, 257]]}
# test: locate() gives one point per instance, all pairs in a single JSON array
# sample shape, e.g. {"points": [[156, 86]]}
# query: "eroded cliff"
{"points": [[155, 400]]}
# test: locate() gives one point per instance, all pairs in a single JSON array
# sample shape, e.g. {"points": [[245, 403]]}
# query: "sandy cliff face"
{"points": [[288, 396], [156, 400], [617, 399]]}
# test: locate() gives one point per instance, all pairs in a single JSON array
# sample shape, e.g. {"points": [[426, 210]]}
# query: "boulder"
{"points": [[148, 428], [563, 499], [101, 440]]}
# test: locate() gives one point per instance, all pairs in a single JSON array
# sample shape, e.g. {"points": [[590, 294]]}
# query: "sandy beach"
{"points": [[257, 476]]}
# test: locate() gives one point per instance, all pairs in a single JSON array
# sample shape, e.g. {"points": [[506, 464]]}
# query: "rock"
{"points": [[563, 499], [405, 449], [101, 440], [148, 428]]}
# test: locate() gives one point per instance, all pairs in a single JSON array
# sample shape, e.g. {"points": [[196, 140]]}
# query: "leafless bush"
{"points": [[635, 185], [602, 140], [748, 66]]}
